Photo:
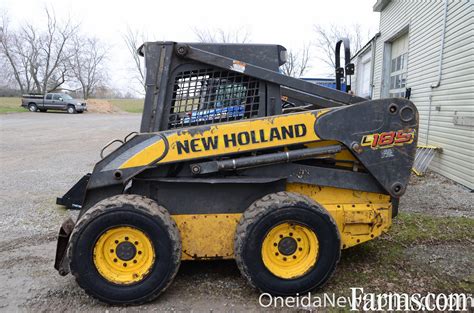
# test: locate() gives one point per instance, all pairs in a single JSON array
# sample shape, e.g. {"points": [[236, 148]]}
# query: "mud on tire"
{"points": [[271, 211], [125, 211]]}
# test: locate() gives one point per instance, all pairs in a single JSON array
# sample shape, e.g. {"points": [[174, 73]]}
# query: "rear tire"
{"points": [[126, 249], [71, 110], [32, 107], [286, 244]]}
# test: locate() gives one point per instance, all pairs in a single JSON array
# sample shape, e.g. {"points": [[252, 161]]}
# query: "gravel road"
{"points": [[41, 156]]}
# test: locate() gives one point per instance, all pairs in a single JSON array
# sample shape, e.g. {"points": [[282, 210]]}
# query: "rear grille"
{"points": [[210, 96]]}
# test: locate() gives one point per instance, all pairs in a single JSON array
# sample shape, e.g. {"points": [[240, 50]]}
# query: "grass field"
{"points": [[420, 253], [10, 104], [128, 105]]}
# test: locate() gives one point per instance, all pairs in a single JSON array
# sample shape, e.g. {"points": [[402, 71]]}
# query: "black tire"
{"points": [[275, 209], [131, 211], [32, 107], [71, 109]]}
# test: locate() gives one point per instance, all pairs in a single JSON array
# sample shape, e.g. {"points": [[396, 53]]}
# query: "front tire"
{"points": [[286, 244], [125, 250], [71, 110]]}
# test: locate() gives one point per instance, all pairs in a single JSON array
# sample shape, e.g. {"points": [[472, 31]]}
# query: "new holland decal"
{"points": [[225, 138], [241, 138], [388, 139]]}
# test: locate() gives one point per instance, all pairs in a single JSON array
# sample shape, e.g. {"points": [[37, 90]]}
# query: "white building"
{"points": [[426, 48]]}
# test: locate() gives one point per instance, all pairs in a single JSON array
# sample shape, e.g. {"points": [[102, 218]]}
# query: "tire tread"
{"points": [[139, 202], [262, 207]]}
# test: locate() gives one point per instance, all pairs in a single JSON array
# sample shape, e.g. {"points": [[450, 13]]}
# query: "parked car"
{"points": [[53, 101]]}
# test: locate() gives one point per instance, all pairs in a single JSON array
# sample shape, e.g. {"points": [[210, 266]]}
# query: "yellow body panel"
{"points": [[228, 138], [207, 236], [360, 216], [344, 155]]}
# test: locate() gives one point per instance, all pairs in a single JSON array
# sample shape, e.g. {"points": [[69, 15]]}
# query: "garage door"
{"points": [[398, 67]]}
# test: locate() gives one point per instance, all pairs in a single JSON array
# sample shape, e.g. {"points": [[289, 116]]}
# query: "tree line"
{"points": [[59, 55], [43, 59], [321, 46]]}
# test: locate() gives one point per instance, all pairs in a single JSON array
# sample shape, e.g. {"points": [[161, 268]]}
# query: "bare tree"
{"points": [[14, 62], [326, 38], [87, 63], [38, 59], [133, 40], [49, 53], [219, 35], [297, 63], [23, 58], [7, 81]]}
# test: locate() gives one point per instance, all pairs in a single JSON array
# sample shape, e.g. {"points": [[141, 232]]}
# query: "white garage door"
{"points": [[398, 67]]}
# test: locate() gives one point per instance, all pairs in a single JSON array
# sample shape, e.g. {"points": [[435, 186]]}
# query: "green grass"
{"points": [[387, 263], [128, 105], [409, 229], [11, 104]]}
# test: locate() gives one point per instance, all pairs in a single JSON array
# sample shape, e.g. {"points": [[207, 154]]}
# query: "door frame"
{"points": [[387, 58]]}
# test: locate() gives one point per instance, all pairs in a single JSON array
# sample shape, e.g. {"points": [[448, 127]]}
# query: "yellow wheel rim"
{"points": [[290, 250], [123, 255]]}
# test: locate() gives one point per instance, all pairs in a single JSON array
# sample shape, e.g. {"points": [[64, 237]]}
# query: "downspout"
{"points": [[441, 50], [440, 68]]}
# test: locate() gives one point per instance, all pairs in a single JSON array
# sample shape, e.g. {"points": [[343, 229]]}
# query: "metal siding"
{"points": [[456, 92], [357, 79]]}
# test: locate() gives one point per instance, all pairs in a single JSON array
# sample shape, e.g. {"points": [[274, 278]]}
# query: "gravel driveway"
{"points": [[42, 156]]}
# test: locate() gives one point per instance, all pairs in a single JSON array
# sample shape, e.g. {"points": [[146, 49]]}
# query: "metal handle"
{"points": [[108, 145], [127, 137]]}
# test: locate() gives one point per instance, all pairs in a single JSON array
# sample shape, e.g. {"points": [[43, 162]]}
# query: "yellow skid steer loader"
{"points": [[236, 161]]}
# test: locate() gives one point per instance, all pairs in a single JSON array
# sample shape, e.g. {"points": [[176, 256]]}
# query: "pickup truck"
{"points": [[53, 101]]}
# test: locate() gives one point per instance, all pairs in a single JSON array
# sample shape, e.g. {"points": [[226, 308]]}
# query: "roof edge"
{"points": [[366, 46], [380, 5]]}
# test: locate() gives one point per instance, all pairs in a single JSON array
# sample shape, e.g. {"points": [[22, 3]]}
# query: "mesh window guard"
{"points": [[210, 96]]}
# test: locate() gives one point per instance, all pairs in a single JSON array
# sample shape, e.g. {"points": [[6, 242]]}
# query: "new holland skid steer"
{"points": [[236, 161]]}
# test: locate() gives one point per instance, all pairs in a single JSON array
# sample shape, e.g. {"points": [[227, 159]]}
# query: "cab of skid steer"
{"points": [[199, 94]]}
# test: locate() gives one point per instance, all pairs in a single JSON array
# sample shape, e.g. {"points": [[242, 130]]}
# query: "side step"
{"points": [[75, 196]]}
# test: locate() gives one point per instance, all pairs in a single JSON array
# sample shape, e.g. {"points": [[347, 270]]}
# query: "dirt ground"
{"points": [[430, 248], [101, 106], [434, 194]]}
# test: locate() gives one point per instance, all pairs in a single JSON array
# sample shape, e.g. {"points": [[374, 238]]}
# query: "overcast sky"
{"points": [[289, 23]]}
